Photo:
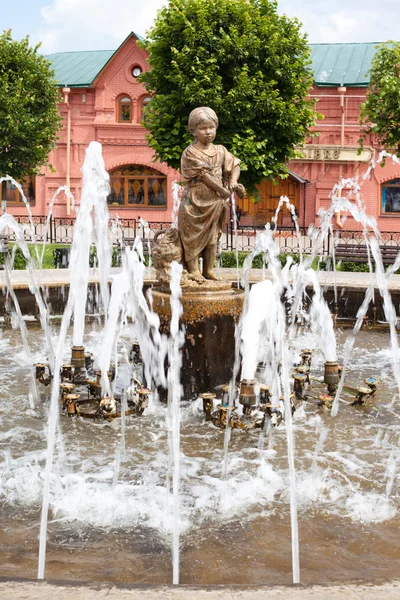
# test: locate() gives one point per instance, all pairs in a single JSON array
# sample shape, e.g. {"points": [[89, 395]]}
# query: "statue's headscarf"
{"points": [[200, 114]]}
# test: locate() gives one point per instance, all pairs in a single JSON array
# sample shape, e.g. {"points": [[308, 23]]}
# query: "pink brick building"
{"points": [[340, 85], [103, 101]]}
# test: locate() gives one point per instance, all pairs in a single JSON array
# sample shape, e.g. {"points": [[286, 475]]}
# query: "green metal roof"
{"points": [[333, 64], [80, 69], [342, 64]]}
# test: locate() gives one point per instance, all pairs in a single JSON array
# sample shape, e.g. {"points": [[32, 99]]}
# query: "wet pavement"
{"points": [[21, 590]]}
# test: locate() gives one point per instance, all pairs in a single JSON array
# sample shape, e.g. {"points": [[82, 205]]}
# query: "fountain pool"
{"points": [[111, 511], [107, 500]]}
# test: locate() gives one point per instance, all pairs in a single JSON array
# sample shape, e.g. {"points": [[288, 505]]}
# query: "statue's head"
{"points": [[200, 114]]}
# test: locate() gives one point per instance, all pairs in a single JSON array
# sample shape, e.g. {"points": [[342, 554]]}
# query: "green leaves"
{"points": [[380, 113], [248, 63], [29, 118]]}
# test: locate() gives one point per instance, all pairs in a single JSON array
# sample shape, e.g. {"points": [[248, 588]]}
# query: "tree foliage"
{"points": [[246, 62], [380, 113], [29, 118]]}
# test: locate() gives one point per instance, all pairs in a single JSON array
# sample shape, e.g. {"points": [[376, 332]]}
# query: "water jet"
{"points": [[120, 470]]}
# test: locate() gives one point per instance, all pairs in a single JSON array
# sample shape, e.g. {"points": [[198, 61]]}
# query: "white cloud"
{"points": [[104, 24], [93, 24], [350, 21]]}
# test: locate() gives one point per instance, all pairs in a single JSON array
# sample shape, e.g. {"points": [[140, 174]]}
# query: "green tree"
{"points": [[241, 58], [380, 113], [29, 118]]}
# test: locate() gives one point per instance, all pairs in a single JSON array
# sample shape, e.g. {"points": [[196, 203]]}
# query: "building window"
{"points": [[137, 186], [391, 196], [143, 105], [125, 110], [136, 71], [13, 196]]}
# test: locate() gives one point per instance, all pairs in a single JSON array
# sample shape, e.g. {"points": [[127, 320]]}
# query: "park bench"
{"points": [[3, 249], [146, 243], [62, 257], [358, 253]]}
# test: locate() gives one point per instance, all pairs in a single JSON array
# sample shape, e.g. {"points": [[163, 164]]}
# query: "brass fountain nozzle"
{"points": [[261, 371], [88, 360], [67, 372], [70, 403], [108, 405], [227, 388], [363, 393], [135, 353], [40, 373], [78, 357], [247, 395], [265, 393], [207, 398], [325, 400], [40, 369], [306, 356], [372, 383], [331, 374], [143, 400], [299, 381]]}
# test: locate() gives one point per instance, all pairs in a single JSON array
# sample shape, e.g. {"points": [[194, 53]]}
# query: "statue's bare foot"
{"points": [[197, 276], [211, 275]]}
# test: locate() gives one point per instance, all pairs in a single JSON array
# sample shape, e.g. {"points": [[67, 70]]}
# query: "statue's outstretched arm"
{"points": [[214, 185], [234, 186]]}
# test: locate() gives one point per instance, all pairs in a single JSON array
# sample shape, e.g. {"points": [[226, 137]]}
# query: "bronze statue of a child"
{"points": [[210, 176]]}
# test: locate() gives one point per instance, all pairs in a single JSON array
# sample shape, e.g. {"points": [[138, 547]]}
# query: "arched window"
{"points": [[137, 186], [125, 110], [12, 195], [143, 105], [391, 196]]}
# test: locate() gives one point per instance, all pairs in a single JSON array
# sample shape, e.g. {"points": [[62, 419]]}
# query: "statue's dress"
{"points": [[202, 212]]}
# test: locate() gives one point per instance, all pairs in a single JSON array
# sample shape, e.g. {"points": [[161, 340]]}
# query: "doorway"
{"points": [[260, 213]]}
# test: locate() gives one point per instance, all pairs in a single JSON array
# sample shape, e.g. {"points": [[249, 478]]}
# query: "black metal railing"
{"points": [[288, 239], [60, 230], [356, 239], [32, 231]]}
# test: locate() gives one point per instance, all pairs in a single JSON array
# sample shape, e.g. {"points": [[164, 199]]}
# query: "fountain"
{"points": [[188, 431], [211, 307]]}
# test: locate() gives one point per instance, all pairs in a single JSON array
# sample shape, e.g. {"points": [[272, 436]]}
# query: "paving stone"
{"points": [[32, 590]]}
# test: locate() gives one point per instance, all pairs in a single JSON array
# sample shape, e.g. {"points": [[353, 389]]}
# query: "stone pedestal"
{"points": [[210, 314]]}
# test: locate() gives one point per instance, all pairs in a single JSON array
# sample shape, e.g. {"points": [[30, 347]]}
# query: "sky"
{"points": [[66, 25]]}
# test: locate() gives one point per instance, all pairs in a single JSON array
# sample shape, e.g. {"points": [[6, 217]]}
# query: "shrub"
{"points": [[228, 259], [115, 257], [20, 261], [354, 267], [19, 258]]}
